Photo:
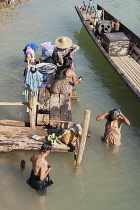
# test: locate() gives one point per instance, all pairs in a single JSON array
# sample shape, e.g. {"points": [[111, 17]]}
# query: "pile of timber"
{"points": [[20, 138]]}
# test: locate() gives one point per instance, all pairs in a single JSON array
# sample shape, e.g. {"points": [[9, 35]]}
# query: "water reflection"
{"points": [[8, 11], [41, 198], [111, 153]]}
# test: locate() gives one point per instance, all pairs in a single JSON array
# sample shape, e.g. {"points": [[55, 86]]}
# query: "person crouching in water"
{"points": [[112, 134], [39, 178]]}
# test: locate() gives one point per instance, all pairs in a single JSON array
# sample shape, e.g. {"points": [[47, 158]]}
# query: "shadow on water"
{"points": [[118, 89]]}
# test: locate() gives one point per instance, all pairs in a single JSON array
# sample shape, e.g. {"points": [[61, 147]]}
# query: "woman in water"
{"points": [[112, 134]]}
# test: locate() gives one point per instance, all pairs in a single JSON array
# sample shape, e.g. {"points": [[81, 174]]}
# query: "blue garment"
{"points": [[32, 45], [33, 81]]}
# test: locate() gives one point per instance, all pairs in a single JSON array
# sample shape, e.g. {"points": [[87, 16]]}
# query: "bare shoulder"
{"points": [[70, 73], [34, 157]]}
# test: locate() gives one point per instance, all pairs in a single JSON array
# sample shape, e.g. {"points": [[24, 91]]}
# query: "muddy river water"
{"points": [[108, 178]]}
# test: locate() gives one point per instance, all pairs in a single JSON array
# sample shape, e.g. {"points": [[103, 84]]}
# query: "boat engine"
{"points": [[103, 27]]}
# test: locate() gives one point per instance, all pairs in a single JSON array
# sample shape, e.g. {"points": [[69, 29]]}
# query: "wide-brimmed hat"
{"points": [[63, 42]]}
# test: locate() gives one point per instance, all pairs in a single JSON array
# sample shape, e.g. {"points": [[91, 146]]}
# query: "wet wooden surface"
{"points": [[54, 109], [20, 138]]}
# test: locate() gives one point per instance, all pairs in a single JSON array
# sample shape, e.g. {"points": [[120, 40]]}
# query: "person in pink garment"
{"points": [[29, 55]]}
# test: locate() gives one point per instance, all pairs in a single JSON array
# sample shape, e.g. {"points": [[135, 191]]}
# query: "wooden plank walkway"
{"points": [[129, 70], [54, 109]]}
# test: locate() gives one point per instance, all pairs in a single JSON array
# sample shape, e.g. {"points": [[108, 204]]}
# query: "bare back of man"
{"points": [[39, 165]]}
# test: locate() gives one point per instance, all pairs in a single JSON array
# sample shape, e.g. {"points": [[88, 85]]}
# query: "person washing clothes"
{"points": [[112, 134], [29, 51], [39, 178], [65, 48]]}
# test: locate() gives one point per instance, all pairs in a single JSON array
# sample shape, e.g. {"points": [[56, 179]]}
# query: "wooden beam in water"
{"points": [[32, 108], [19, 138], [83, 137], [10, 143], [73, 94]]}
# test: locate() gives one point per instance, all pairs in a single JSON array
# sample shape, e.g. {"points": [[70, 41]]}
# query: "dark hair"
{"points": [[67, 61], [61, 71], [46, 146], [113, 113]]}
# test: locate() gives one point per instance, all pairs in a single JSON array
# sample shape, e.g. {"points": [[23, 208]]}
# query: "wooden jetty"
{"points": [[119, 45], [47, 113], [48, 109], [14, 138]]}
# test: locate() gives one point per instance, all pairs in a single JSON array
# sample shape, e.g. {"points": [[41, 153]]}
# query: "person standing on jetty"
{"points": [[112, 134], [39, 178]]}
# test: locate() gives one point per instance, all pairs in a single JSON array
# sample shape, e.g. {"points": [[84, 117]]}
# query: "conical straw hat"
{"points": [[63, 42]]}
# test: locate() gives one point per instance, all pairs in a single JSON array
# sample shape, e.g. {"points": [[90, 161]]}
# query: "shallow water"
{"points": [[107, 178]]}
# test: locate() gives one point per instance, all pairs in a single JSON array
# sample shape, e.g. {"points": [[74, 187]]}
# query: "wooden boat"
{"points": [[119, 45]]}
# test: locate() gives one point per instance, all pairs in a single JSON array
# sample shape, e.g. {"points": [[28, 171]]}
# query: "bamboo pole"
{"points": [[83, 137]]}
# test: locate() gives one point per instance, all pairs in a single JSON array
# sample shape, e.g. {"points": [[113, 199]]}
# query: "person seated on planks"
{"points": [[64, 48], [112, 134], [39, 178], [64, 79]]}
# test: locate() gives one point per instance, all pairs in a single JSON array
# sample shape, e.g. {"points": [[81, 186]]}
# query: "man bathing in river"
{"points": [[112, 134], [39, 178]]}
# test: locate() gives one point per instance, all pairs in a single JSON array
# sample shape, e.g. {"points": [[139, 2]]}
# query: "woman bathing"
{"points": [[112, 134]]}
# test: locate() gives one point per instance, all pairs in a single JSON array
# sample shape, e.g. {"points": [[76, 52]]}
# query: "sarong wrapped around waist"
{"points": [[35, 182], [112, 137], [63, 86]]}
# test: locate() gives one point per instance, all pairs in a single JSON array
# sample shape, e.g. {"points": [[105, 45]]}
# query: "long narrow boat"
{"points": [[119, 45]]}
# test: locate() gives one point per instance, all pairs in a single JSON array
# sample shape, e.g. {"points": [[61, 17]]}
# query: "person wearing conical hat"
{"points": [[65, 48]]}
